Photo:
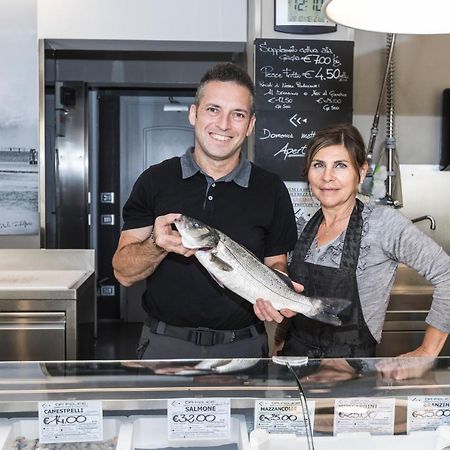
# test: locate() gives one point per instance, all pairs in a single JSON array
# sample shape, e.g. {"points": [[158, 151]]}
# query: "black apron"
{"points": [[307, 337]]}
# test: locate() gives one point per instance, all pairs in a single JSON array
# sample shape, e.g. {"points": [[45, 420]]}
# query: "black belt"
{"points": [[204, 336]]}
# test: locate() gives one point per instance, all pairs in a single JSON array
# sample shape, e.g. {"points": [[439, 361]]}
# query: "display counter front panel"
{"points": [[226, 404]]}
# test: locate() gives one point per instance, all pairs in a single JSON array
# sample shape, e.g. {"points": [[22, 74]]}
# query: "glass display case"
{"points": [[264, 404]]}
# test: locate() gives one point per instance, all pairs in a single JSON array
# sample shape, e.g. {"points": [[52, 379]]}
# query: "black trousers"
{"points": [[157, 346]]}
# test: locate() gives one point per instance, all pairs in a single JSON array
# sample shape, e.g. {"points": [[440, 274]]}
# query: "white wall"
{"points": [[160, 20], [422, 72]]}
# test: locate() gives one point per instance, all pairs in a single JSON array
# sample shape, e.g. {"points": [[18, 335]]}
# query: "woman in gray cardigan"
{"points": [[351, 250]]}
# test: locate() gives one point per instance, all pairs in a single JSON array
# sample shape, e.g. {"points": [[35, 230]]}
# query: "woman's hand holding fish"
{"points": [[167, 238], [265, 311]]}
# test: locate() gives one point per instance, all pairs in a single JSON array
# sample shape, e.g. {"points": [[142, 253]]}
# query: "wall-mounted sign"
{"points": [[301, 86]]}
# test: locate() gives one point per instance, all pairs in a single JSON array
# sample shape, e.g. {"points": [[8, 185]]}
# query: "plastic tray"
{"points": [[13, 428], [151, 433], [420, 440]]}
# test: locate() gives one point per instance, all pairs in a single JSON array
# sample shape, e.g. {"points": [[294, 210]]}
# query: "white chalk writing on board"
{"points": [[301, 86], [283, 83]]}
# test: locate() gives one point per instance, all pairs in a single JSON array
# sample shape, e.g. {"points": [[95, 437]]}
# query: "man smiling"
{"points": [[189, 314]]}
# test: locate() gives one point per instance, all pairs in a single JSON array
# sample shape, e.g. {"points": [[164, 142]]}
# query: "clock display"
{"points": [[305, 11], [301, 17]]}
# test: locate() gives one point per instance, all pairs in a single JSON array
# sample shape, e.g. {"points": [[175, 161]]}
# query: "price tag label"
{"points": [[70, 421], [282, 416], [198, 418], [428, 413], [373, 415]]}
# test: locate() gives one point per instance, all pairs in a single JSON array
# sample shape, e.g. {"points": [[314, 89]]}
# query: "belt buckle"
{"points": [[204, 336]]}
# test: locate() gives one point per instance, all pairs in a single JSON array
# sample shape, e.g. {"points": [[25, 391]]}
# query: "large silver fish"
{"points": [[234, 267]]}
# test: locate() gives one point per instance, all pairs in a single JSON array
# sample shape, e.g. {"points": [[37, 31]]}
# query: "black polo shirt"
{"points": [[250, 205]]}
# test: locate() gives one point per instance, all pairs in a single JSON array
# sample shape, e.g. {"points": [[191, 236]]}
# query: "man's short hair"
{"points": [[226, 72]]}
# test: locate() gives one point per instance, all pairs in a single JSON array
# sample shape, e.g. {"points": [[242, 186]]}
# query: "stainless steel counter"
{"points": [[47, 299], [46, 284], [43, 259], [405, 325]]}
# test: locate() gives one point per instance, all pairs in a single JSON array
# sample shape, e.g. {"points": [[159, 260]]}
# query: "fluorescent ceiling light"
{"points": [[391, 16], [177, 107]]}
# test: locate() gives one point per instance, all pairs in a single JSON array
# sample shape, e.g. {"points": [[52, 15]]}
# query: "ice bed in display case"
{"points": [[239, 404]]}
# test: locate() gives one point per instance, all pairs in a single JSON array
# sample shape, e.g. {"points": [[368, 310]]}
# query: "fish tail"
{"points": [[328, 308]]}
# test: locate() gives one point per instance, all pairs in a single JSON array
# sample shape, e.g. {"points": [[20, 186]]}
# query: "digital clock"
{"points": [[301, 17]]}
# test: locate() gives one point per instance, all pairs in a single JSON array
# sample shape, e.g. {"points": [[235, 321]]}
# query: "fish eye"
{"points": [[196, 225]]}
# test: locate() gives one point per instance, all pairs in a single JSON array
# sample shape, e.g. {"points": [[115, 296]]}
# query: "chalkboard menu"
{"points": [[301, 86]]}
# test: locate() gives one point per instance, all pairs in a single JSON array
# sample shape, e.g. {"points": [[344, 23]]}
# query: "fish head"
{"points": [[196, 234]]}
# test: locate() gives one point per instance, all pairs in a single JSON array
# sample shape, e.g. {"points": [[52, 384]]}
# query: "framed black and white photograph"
{"points": [[18, 190], [301, 17], [19, 159]]}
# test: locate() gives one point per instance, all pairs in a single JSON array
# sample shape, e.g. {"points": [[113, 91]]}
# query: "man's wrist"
{"points": [[153, 241]]}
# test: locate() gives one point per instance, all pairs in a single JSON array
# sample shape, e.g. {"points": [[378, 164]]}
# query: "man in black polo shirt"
{"points": [[189, 314]]}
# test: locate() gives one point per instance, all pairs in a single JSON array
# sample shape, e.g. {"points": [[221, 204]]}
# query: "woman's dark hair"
{"points": [[341, 134], [226, 72]]}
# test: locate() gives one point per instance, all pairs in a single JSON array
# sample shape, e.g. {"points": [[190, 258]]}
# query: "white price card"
{"points": [[70, 421], [426, 413], [198, 418], [283, 416], [373, 415]]}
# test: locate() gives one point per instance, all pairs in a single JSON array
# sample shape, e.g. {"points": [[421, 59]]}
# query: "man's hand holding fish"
{"points": [[168, 239]]}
